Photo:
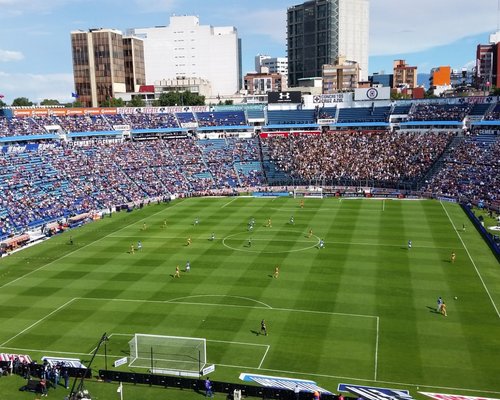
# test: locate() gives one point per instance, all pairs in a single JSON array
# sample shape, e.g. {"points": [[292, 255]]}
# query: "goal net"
{"points": [[168, 354], [311, 191]]}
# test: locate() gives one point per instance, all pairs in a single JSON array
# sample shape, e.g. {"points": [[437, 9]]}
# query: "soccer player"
{"points": [[71, 240], [292, 221], [177, 272], [212, 238], [263, 328], [463, 227], [164, 223], [196, 221], [269, 223], [301, 203], [409, 244], [439, 304], [310, 233], [188, 266], [189, 242], [144, 226], [132, 249], [139, 245], [453, 257], [276, 272], [443, 309], [321, 244], [249, 242]]}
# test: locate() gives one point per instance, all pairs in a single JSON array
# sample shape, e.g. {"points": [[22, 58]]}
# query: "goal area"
{"points": [[310, 192], [168, 354]]}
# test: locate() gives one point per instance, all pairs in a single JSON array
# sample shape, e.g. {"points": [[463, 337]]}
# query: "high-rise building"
{"points": [[319, 31], [488, 63], [404, 75], [273, 65], [342, 76], [105, 63], [185, 49]]}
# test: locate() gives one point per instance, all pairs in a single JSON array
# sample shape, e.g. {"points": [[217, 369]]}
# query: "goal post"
{"points": [[314, 192], [168, 354]]}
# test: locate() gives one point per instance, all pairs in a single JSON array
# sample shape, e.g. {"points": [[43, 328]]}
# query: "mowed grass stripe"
{"points": [[364, 269]]}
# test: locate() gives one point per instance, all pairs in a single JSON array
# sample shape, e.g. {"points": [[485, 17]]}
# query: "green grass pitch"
{"points": [[361, 310]]}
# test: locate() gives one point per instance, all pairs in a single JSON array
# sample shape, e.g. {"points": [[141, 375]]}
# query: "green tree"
{"points": [[136, 102], [21, 102], [2, 103], [228, 102], [169, 99], [113, 102], [50, 102]]}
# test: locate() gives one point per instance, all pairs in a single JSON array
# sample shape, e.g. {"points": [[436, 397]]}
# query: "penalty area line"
{"points": [[37, 322], [264, 356]]}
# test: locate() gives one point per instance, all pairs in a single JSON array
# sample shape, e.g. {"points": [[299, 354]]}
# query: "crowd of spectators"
{"points": [[470, 172], [221, 118], [439, 112], [44, 185], [377, 156]]}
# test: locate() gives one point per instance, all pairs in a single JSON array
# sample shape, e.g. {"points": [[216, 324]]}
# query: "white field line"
{"points": [[83, 247], [244, 239], [473, 263], [229, 202], [228, 305], [376, 350], [37, 322], [264, 357]]}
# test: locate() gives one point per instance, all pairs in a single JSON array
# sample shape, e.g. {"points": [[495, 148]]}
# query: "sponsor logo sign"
{"points": [[443, 396], [375, 393], [120, 361], [284, 97], [208, 370], [283, 383]]}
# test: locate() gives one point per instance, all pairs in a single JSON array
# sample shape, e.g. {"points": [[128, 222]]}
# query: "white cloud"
{"points": [[9, 55], [37, 87], [425, 24]]}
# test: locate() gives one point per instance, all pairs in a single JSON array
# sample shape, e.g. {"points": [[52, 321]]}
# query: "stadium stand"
{"points": [[41, 184], [294, 117]]}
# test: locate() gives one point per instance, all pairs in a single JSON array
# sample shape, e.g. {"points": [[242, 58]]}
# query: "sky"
{"points": [[35, 51]]}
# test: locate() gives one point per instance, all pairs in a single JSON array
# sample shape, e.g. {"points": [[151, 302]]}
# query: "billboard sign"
{"points": [[284, 97]]}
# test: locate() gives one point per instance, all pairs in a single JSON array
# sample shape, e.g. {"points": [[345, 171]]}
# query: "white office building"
{"points": [[185, 49], [273, 65]]}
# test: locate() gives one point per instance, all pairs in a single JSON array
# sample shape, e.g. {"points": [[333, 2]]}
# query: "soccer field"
{"points": [[360, 310]]}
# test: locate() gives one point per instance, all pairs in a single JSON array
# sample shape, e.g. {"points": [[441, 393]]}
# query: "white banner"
{"points": [[370, 94], [120, 361]]}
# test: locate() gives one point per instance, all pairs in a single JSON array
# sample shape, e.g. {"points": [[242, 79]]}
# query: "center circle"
{"points": [[242, 243]]}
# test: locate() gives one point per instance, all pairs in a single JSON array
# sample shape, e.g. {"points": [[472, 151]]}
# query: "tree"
{"points": [[50, 102], [169, 99], [228, 102], [21, 102], [113, 102], [136, 102], [2, 103]]}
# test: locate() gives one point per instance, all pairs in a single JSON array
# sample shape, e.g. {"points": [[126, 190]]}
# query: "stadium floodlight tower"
{"points": [[169, 355]]}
